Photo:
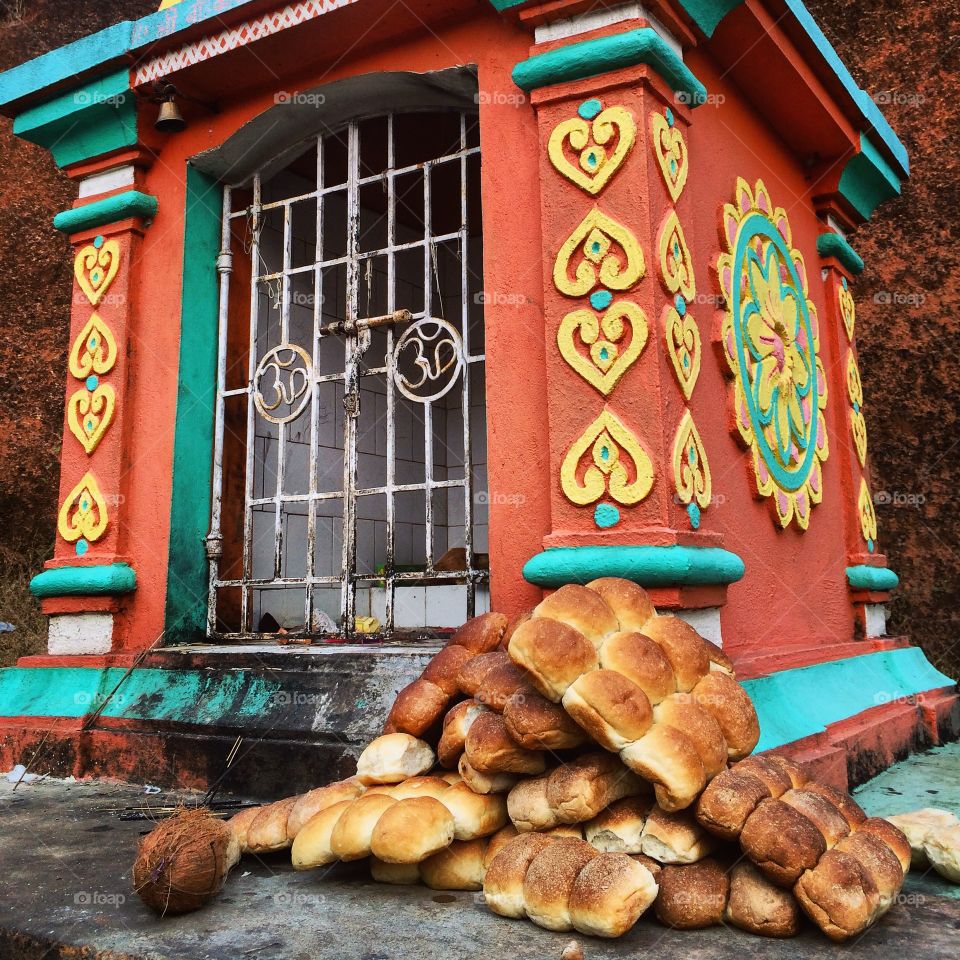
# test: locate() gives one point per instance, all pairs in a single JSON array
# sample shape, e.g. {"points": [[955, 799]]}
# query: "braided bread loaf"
{"points": [[845, 868], [646, 686]]}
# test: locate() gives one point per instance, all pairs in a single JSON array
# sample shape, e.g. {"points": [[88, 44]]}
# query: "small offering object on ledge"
{"points": [[584, 777]]}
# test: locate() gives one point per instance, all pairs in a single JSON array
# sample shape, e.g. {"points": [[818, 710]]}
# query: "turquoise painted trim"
{"points": [[649, 566], [186, 608], [590, 57], [799, 703], [872, 578], [121, 206], [98, 581], [707, 14], [86, 122], [179, 696], [867, 180], [110, 47], [833, 245]]}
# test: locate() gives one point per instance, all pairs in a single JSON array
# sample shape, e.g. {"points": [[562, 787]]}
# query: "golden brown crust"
{"points": [[394, 757], [471, 674], [581, 608], [553, 653], [892, 836], [728, 800], [629, 601], [781, 841], [537, 724], [485, 782], [240, 822], [579, 790], [444, 667], [458, 867], [719, 661], [420, 787], [848, 807], [773, 775], [528, 805], [692, 897], [456, 724], [268, 830], [503, 881], [681, 712], [475, 815], [481, 634], [655, 868], [418, 706], [353, 831], [520, 618], [879, 861], [669, 760], [490, 749], [732, 708], [497, 842], [760, 907], [675, 838], [411, 830], [396, 874], [313, 844], [684, 648], [838, 895], [619, 828], [794, 771], [823, 814], [549, 882], [641, 660], [613, 710], [502, 682], [609, 894], [319, 799]]}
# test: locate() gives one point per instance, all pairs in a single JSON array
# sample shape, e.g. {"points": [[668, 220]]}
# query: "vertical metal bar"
{"points": [[428, 407], [465, 395], [278, 536], [389, 582], [315, 400], [247, 592], [215, 536]]}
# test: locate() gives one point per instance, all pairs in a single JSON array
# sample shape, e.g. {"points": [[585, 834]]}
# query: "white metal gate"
{"points": [[349, 473]]}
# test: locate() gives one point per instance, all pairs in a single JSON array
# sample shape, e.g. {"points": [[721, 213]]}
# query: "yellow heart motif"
{"points": [[84, 512], [671, 152], [94, 350], [683, 347], [614, 458], [858, 426], [609, 356], [676, 267], [95, 267], [848, 310], [691, 471], [595, 165], [594, 243], [90, 413]]}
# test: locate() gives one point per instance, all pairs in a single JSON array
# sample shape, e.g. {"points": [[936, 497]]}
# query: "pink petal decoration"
{"points": [[821, 432], [763, 201], [784, 228], [814, 481], [783, 503], [762, 471], [731, 227], [726, 279], [803, 505], [744, 201], [801, 271]]}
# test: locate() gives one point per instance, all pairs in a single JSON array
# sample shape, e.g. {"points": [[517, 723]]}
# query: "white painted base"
{"points": [[603, 17], [876, 617], [80, 633], [706, 622], [107, 180]]}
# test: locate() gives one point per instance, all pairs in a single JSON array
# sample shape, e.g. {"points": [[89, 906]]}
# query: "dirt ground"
{"points": [[907, 55]]}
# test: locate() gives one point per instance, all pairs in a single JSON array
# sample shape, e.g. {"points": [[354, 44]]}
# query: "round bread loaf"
{"points": [[613, 710], [719, 661], [553, 654], [268, 830], [394, 757], [619, 828], [481, 634], [729, 798], [549, 882], [781, 841], [456, 724], [838, 895], [692, 897], [820, 812], [474, 814], [503, 881], [579, 790], [353, 831], [942, 846], [397, 874], [501, 682], [629, 602], [730, 705], [759, 906], [793, 771], [674, 838], [420, 787], [848, 807], [879, 861], [240, 822], [483, 782], [777, 777], [497, 842], [684, 649], [581, 608], [609, 894], [418, 707], [411, 830], [681, 712], [892, 836], [312, 845], [640, 660], [916, 827], [537, 724], [313, 802], [668, 759], [458, 867], [444, 667], [490, 749], [528, 806], [474, 670]]}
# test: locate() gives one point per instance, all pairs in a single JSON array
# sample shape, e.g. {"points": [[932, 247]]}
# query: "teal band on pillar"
{"points": [[120, 206], [833, 245], [647, 565], [863, 577], [603, 54], [95, 581]]}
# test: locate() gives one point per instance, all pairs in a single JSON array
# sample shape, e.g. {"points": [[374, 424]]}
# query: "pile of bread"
{"points": [[584, 775]]}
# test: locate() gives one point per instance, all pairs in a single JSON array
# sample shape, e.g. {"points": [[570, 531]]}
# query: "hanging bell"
{"points": [[170, 119]]}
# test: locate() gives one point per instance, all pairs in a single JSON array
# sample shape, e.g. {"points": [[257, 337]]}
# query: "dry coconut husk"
{"points": [[184, 862]]}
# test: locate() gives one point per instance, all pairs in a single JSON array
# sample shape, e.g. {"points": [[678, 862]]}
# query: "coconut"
{"points": [[184, 862]]}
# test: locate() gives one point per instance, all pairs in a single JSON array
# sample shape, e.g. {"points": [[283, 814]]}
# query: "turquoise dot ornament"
{"points": [[606, 515]]}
